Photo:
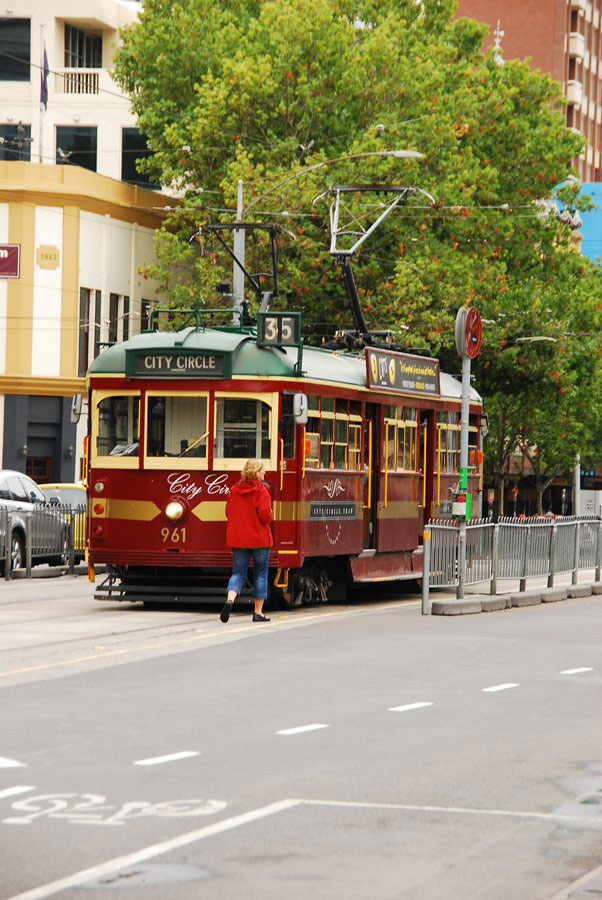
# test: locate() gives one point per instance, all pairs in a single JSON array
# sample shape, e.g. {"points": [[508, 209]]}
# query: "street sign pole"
{"points": [[468, 344]]}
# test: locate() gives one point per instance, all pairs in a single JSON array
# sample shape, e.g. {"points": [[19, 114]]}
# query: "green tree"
{"points": [[263, 89]]}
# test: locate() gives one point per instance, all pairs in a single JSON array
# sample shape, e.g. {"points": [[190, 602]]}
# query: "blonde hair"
{"points": [[251, 470]]}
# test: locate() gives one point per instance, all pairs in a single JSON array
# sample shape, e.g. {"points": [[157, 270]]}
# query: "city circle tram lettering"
{"points": [[178, 364], [326, 510], [402, 372]]}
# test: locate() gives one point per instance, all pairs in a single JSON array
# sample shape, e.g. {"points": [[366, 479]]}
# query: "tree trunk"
{"points": [[539, 492], [499, 498]]}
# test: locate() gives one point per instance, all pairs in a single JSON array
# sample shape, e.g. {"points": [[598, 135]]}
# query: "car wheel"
{"points": [[17, 551]]}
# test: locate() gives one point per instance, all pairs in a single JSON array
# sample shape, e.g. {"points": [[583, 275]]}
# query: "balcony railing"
{"points": [[77, 81], [576, 45], [574, 92]]}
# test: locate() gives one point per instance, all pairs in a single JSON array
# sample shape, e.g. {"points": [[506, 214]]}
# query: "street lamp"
{"points": [[398, 154]]}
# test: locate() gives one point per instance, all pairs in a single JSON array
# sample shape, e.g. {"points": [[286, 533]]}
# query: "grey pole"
{"points": [[28, 544], [463, 472], [495, 553], [577, 486], [426, 570], [576, 552], [238, 276], [8, 537], [553, 554], [598, 549]]}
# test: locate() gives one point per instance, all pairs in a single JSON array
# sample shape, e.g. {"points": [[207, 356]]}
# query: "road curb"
{"points": [[553, 595], [455, 607], [597, 587], [526, 598], [579, 590], [493, 604]]}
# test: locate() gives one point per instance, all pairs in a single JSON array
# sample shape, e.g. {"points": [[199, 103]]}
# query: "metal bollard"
{"points": [[70, 549], [8, 560], [574, 577], [523, 581], [553, 554], [426, 569], [495, 559], [598, 550], [28, 515]]}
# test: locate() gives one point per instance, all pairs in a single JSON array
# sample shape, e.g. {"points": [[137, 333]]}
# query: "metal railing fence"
{"points": [[513, 548], [49, 533]]}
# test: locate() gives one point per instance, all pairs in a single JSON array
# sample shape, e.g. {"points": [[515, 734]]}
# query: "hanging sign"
{"points": [[10, 259], [386, 370]]}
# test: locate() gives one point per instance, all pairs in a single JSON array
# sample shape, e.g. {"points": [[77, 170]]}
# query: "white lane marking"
{"points": [[121, 862], [6, 763], [500, 687], [19, 789], [155, 760], [313, 727], [408, 706], [576, 671], [453, 810]]}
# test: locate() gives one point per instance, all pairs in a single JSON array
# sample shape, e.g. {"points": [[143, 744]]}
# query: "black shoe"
{"points": [[257, 617], [225, 613]]}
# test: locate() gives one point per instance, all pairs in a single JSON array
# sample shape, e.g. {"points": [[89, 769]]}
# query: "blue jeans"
{"points": [[240, 565]]}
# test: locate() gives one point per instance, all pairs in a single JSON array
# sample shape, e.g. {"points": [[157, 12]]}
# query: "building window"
{"points": [[83, 50], [84, 330], [76, 146], [113, 317], [126, 319], [89, 328], [15, 43], [133, 148], [15, 142]]}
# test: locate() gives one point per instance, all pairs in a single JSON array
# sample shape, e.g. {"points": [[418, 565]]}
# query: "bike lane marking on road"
{"points": [[155, 760], [121, 862], [221, 632], [18, 789], [500, 687], [6, 763], [576, 671], [408, 707], [302, 728]]}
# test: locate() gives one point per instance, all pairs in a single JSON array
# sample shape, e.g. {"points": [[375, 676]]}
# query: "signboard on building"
{"points": [[10, 259], [402, 372], [48, 257]]}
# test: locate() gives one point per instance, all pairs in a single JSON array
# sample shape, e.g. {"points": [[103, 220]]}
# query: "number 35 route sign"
{"points": [[278, 329]]}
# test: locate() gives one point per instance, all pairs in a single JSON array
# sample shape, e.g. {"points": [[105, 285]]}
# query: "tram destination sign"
{"points": [[386, 370], [177, 364]]}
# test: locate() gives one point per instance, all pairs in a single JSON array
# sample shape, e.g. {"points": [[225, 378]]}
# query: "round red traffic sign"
{"points": [[473, 332]]}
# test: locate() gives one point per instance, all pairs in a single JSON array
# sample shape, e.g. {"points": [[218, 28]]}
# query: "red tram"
{"points": [[360, 450]]}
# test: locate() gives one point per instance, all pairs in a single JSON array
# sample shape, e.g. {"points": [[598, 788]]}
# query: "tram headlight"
{"points": [[174, 510], [99, 487]]}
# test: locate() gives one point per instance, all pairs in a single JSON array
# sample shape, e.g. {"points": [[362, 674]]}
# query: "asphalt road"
{"points": [[358, 751]]}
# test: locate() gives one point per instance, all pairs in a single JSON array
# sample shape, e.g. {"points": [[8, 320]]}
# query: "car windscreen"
{"points": [[67, 496]]}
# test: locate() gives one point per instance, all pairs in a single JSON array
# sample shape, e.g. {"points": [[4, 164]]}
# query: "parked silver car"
{"points": [[19, 495]]}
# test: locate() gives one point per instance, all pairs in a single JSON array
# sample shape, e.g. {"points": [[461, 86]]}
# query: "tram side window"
{"points": [[177, 426], [287, 427], [118, 426], [242, 429], [401, 438], [333, 434]]}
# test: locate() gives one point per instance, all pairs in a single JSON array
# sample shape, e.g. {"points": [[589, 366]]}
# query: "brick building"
{"points": [[562, 37]]}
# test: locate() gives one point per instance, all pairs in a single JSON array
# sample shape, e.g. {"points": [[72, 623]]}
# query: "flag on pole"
{"points": [[44, 81]]}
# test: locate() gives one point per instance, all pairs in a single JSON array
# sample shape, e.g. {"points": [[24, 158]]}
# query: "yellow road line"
{"points": [[81, 659]]}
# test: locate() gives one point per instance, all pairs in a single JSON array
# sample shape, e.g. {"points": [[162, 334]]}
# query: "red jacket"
{"points": [[249, 513]]}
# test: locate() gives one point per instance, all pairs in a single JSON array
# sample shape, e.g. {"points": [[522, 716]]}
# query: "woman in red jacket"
{"points": [[249, 513]]}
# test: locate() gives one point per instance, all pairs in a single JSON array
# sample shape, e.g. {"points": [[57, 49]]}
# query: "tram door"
{"points": [[370, 477], [425, 485], [285, 523]]}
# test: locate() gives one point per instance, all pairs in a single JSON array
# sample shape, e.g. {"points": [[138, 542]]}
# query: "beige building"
{"points": [[76, 222]]}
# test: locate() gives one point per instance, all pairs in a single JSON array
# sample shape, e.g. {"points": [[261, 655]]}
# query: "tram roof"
{"points": [[249, 359]]}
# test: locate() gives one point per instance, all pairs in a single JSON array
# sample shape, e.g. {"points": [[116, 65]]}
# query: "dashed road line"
{"points": [[408, 706], [576, 671], [302, 728], [156, 760], [500, 687], [6, 763], [18, 789]]}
